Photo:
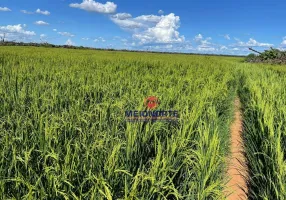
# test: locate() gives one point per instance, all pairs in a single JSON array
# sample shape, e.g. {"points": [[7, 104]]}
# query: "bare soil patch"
{"points": [[237, 168]]}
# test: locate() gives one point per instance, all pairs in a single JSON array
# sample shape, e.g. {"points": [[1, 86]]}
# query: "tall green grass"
{"points": [[63, 133], [263, 95]]}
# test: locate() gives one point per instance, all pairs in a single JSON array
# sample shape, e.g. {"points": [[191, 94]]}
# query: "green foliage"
{"points": [[63, 133], [271, 54], [274, 56], [263, 95], [250, 57]]}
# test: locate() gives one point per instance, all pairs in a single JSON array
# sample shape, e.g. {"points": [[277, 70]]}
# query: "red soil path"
{"points": [[237, 170]]}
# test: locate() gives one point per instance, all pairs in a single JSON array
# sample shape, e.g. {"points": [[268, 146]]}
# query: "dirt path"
{"points": [[237, 170]]}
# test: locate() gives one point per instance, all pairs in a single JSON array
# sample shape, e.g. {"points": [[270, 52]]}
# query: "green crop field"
{"points": [[63, 133]]}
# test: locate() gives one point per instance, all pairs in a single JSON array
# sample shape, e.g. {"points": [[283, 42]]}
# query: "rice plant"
{"points": [[263, 93], [63, 133]]}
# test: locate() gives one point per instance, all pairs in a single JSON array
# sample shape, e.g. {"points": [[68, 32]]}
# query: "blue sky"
{"points": [[197, 26]]}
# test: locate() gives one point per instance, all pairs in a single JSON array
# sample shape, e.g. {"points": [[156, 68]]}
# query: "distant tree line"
{"points": [[48, 45]]}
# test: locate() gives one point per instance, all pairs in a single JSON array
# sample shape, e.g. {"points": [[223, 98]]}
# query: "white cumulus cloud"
{"points": [[284, 41], [165, 31], [252, 43], [43, 35], [198, 37], [93, 6], [281, 49], [17, 29], [147, 29], [99, 39], [161, 12], [122, 16], [55, 30], [149, 18], [41, 23], [26, 12], [205, 48], [227, 36], [69, 42], [5, 9], [223, 48], [128, 24], [204, 44], [39, 11], [67, 34]]}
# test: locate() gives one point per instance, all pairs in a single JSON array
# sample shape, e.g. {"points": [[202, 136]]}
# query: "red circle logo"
{"points": [[151, 102]]}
